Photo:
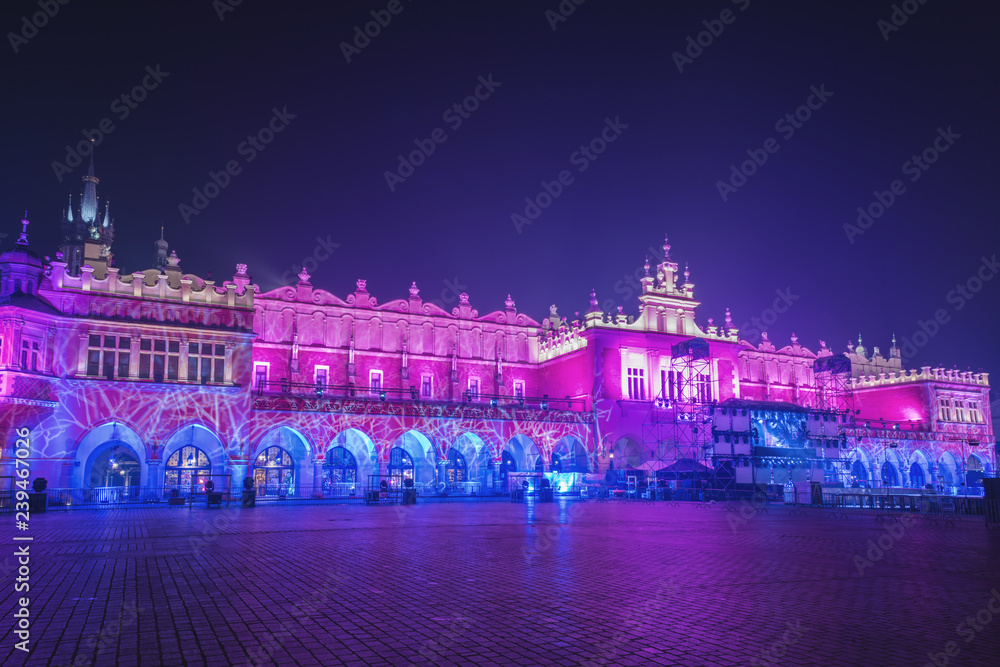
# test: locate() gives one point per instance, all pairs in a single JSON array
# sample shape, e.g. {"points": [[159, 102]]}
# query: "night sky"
{"points": [[887, 93]]}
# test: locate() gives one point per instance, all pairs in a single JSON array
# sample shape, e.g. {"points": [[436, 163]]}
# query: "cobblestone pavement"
{"points": [[499, 583]]}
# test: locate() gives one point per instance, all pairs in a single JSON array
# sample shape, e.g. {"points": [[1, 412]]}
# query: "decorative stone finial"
{"points": [[509, 302], [241, 269], [763, 334], [414, 290], [729, 318], [173, 261], [646, 266], [303, 275], [666, 248], [593, 301], [687, 273], [620, 308], [23, 239], [463, 299], [795, 339], [711, 321], [362, 283]]}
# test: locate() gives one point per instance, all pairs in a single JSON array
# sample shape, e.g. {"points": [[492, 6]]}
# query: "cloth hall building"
{"points": [[156, 378]]}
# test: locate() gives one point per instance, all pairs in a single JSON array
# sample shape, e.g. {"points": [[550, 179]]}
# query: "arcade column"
{"points": [[317, 491]]}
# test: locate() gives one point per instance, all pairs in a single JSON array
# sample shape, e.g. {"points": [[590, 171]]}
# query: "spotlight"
{"points": [[381, 396]]}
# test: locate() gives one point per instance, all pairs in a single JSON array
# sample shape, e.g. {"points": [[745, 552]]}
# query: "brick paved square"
{"points": [[498, 583]]}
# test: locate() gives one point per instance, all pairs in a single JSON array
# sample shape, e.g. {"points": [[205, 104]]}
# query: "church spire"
{"points": [[161, 251], [88, 207]]}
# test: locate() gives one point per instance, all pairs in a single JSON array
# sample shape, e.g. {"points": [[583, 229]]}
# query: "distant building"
{"points": [[158, 379]]}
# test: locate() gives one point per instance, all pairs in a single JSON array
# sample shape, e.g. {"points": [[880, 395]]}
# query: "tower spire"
{"points": [[88, 207]]}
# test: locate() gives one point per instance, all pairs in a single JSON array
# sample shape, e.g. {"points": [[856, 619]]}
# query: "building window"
{"points": [[636, 384], [456, 471], [159, 357], [400, 463], [670, 385], [188, 465], [260, 375], [375, 381], [340, 472], [944, 411], [29, 355], [274, 472], [960, 411], [321, 377], [473, 389], [704, 388], [519, 390], [102, 353], [206, 362], [426, 386], [975, 416]]}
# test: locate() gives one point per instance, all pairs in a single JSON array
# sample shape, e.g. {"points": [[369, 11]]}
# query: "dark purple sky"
{"points": [[450, 222]]}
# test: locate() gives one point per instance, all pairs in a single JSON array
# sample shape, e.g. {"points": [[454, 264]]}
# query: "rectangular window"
{"points": [[975, 416], [473, 389], [960, 411], [426, 386], [704, 387], [375, 381], [206, 362], [320, 375], [102, 354], [518, 390], [260, 376], [124, 355], [945, 409], [636, 384]]}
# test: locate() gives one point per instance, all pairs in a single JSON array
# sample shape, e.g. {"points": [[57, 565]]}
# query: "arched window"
{"points": [[400, 463], [185, 465], [917, 477], [456, 471], [889, 476], [340, 472], [557, 464], [859, 475], [274, 472]]}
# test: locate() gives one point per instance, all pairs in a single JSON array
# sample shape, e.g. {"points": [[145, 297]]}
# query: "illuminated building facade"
{"points": [[155, 378]]}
